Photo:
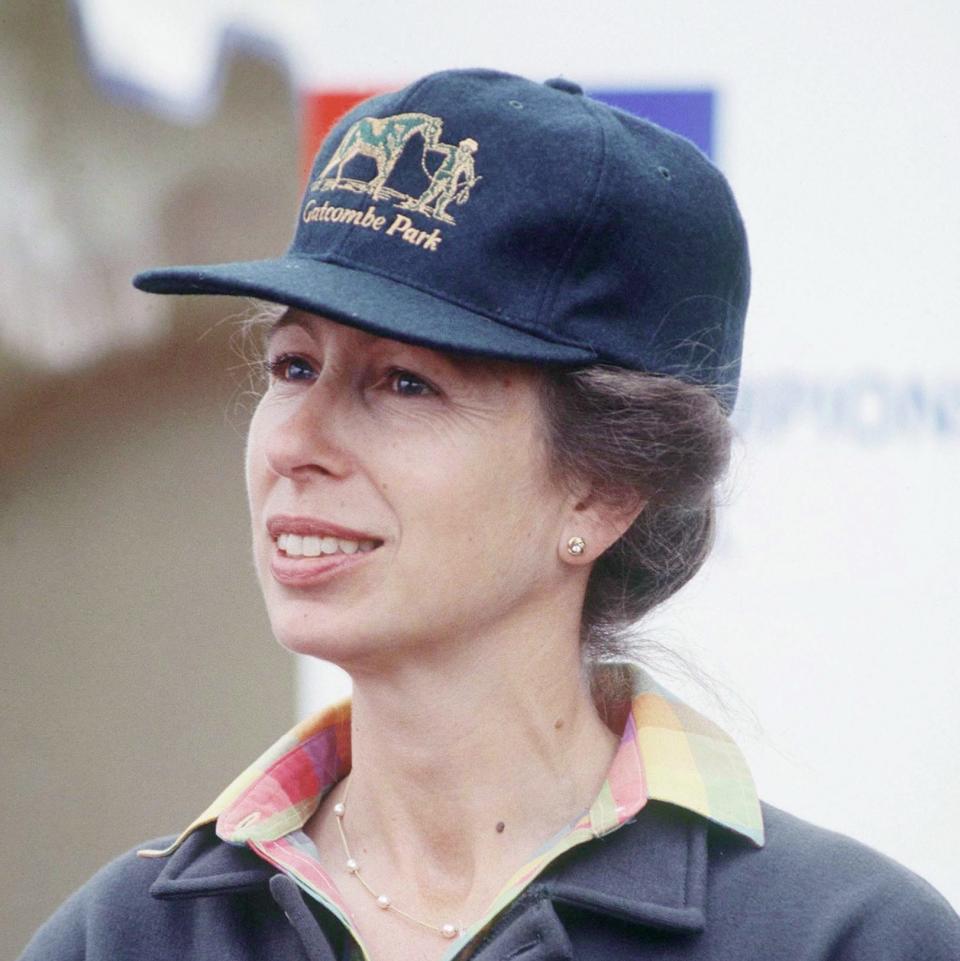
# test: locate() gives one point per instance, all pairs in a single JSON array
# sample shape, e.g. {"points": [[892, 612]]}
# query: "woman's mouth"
{"points": [[309, 550]]}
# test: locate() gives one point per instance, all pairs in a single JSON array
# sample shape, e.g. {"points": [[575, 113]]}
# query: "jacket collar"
{"points": [[653, 871], [203, 865]]}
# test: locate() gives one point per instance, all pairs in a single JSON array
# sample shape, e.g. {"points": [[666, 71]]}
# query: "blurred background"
{"points": [[139, 673]]}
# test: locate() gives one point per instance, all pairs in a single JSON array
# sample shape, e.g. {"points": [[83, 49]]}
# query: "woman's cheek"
{"points": [[256, 469]]}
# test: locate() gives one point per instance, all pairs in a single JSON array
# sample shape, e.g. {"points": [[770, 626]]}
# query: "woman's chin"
{"points": [[326, 644], [343, 645]]}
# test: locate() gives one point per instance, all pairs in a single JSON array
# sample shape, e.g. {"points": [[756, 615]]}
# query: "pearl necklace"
{"points": [[384, 901]]}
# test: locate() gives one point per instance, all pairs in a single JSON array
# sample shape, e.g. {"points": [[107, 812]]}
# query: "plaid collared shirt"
{"points": [[667, 752]]}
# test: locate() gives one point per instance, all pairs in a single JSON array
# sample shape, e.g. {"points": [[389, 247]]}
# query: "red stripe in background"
{"points": [[320, 111]]}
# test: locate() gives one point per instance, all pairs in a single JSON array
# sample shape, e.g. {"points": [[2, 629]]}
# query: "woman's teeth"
{"points": [[295, 545]]}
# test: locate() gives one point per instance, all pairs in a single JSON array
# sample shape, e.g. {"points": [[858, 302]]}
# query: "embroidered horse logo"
{"points": [[383, 140]]}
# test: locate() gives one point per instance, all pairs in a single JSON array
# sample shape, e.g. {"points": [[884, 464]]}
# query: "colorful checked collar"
{"points": [[668, 752]]}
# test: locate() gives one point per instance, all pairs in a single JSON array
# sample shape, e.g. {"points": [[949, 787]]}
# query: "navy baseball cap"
{"points": [[479, 212]]}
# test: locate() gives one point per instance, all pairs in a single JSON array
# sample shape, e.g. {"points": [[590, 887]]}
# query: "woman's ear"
{"points": [[594, 524]]}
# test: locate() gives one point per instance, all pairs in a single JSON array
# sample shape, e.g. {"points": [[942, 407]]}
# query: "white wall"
{"points": [[831, 605]]}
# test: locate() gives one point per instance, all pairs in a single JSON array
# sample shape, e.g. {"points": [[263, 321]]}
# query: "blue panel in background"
{"points": [[686, 112]]}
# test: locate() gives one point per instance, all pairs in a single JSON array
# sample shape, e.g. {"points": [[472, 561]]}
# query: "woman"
{"points": [[495, 417]]}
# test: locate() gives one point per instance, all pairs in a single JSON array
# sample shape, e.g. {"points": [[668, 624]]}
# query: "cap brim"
{"points": [[368, 301]]}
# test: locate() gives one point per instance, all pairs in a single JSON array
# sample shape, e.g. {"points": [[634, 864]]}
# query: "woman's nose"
{"points": [[310, 438]]}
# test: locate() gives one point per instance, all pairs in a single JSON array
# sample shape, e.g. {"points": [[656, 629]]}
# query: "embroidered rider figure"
{"points": [[451, 181]]}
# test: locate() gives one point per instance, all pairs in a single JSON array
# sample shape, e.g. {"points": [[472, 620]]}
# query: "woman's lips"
{"points": [[304, 526], [309, 571]]}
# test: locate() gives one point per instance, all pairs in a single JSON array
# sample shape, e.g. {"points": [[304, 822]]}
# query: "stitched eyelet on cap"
{"points": [[516, 104], [664, 172]]}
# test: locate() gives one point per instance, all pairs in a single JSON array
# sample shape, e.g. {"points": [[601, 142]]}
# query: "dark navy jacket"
{"points": [[667, 886]]}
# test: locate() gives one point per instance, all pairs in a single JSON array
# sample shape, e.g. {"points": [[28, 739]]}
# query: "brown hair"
{"points": [[638, 436]]}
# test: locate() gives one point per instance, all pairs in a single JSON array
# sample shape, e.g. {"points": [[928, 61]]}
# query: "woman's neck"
{"points": [[496, 734]]}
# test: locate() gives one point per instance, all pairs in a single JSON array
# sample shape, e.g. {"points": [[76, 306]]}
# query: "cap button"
{"points": [[561, 83]]}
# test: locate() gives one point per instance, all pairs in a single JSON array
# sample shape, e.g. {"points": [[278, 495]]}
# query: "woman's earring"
{"points": [[576, 546]]}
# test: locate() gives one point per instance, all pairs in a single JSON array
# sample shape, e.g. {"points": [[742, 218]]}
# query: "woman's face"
{"points": [[399, 496]]}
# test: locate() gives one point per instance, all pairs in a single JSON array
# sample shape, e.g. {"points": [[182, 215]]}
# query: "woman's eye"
{"points": [[290, 367], [406, 384]]}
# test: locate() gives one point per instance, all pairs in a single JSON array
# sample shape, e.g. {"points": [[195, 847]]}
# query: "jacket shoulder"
{"points": [[860, 903], [206, 901], [113, 900], [814, 854]]}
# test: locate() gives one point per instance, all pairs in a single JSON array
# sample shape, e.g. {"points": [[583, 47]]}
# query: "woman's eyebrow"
{"points": [[286, 320]]}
